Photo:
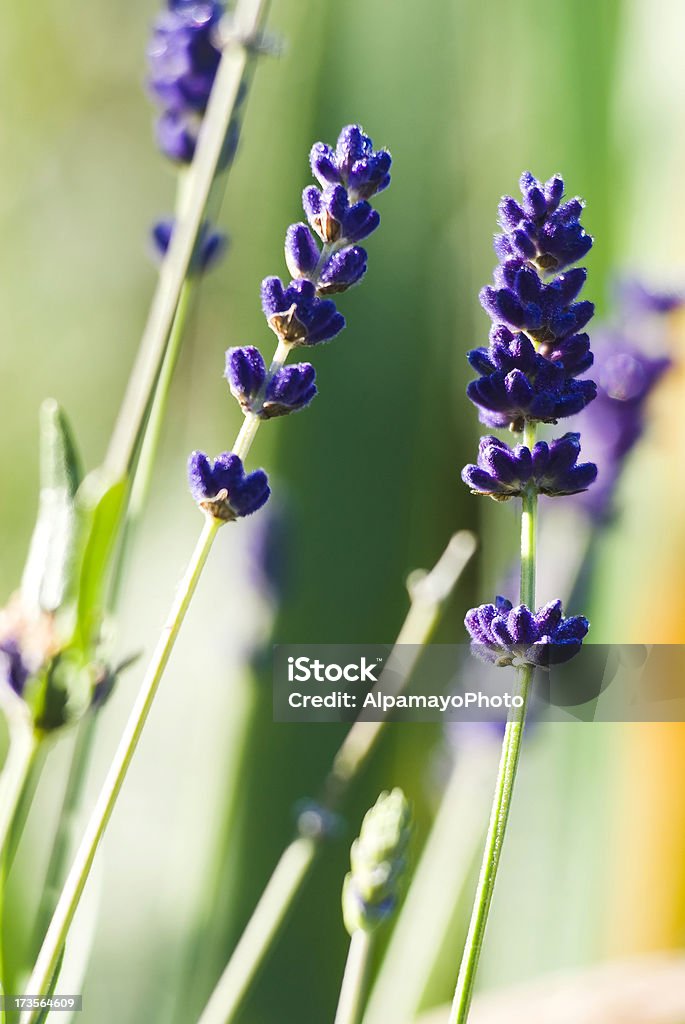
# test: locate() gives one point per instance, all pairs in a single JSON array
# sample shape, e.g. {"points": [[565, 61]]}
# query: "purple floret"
{"points": [[551, 469], [354, 163], [223, 488], [297, 315]]}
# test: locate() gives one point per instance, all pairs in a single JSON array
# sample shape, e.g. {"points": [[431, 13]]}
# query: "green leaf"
{"points": [[102, 504], [51, 561]]}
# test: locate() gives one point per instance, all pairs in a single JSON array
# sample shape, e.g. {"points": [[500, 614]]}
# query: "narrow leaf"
{"points": [[51, 559]]}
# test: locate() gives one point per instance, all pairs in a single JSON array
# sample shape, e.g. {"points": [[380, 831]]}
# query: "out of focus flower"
{"points": [[378, 859], [210, 248], [183, 58]]}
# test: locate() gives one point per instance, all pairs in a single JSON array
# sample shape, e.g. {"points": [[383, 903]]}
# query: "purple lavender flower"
{"points": [[552, 469], [354, 163], [246, 373], [546, 312], [537, 344], [537, 229], [223, 489], [289, 389], [541, 392], [616, 421], [301, 251], [343, 269], [297, 315], [333, 218], [505, 635], [210, 248], [13, 669], [635, 299], [183, 58]]}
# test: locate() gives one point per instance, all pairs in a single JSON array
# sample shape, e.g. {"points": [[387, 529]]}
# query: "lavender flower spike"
{"points": [[505, 635], [223, 489], [551, 469]]}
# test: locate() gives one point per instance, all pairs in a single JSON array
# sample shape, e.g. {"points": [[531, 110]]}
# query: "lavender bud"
{"points": [[289, 390], [246, 374], [344, 269], [331, 216], [354, 164], [297, 315], [301, 251], [223, 489], [378, 860]]}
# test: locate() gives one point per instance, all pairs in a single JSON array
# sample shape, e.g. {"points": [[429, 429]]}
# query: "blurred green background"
{"points": [[466, 96]]}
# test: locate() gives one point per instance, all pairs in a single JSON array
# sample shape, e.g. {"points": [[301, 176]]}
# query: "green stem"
{"points": [[351, 1002], [144, 468], [24, 745], [68, 819], [429, 593], [265, 923], [504, 787], [248, 20], [15, 778], [83, 861]]}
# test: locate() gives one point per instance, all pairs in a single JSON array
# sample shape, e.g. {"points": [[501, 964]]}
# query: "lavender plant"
{"points": [[189, 45], [299, 316], [529, 375]]}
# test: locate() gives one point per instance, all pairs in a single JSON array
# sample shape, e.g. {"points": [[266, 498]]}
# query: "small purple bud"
{"points": [[344, 269], [301, 251], [245, 373], [289, 390]]}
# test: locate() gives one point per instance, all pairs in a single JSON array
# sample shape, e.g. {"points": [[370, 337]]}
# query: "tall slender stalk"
{"points": [[135, 440], [429, 593], [506, 776], [351, 1002], [78, 875], [24, 745], [248, 20], [66, 825], [21, 757]]}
